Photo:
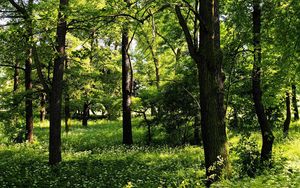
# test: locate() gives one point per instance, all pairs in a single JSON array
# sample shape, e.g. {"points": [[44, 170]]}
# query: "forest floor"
{"points": [[94, 157]]}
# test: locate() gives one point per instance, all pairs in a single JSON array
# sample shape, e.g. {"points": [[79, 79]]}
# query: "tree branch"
{"points": [[39, 70], [186, 31], [19, 8], [12, 66]]}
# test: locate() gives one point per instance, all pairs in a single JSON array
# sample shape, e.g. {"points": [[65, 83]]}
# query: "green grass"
{"points": [[95, 157]]}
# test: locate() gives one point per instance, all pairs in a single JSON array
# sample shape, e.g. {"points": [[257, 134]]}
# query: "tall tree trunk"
{"points": [[28, 97], [212, 92], [287, 121], [126, 86], [208, 58], [85, 114], [57, 85], [294, 101], [235, 118], [67, 102], [43, 107], [26, 14], [266, 131]]}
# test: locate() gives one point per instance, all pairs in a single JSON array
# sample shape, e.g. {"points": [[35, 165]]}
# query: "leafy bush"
{"points": [[248, 162]]}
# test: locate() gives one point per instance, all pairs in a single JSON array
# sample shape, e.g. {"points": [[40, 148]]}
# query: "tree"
{"points": [[57, 85], [294, 101], [267, 135], [126, 84], [26, 15], [208, 58], [287, 121]]}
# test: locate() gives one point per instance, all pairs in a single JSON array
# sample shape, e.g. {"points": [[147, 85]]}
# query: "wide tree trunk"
{"points": [[57, 85], [212, 92], [208, 57], [266, 131], [287, 121], [294, 101], [126, 86], [43, 107], [85, 114]]}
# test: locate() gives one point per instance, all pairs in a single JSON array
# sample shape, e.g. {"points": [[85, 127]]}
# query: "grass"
{"points": [[95, 157]]}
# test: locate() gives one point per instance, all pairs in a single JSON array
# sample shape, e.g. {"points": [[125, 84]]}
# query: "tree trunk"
{"points": [[57, 85], [85, 114], [287, 121], [208, 57], [294, 100], [235, 118], [16, 77], [212, 92], [67, 102], [266, 131], [28, 97], [126, 86], [43, 107]]}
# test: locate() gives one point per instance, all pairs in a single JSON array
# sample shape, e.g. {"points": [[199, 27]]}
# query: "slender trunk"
{"points": [[57, 85], [126, 86], [287, 121], [67, 102], [266, 131], [235, 118], [43, 107], [294, 101], [16, 77], [85, 114], [28, 97]]}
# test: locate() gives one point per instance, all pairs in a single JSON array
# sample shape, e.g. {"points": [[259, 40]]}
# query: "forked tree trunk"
{"points": [[212, 92], [266, 131], [294, 101], [126, 86], [208, 58], [57, 85], [287, 121]]}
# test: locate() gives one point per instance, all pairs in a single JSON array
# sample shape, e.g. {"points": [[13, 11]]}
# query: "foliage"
{"points": [[95, 158]]}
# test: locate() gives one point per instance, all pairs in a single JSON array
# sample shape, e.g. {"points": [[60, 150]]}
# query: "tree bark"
{"points": [[16, 77], [294, 101], [67, 102], [28, 97], [85, 114], [26, 14], [211, 79], [287, 121], [126, 86], [43, 107], [266, 131], [57, 85]]}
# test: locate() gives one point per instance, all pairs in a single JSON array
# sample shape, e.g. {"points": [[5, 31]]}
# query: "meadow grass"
{"points": [[95, 157]]}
